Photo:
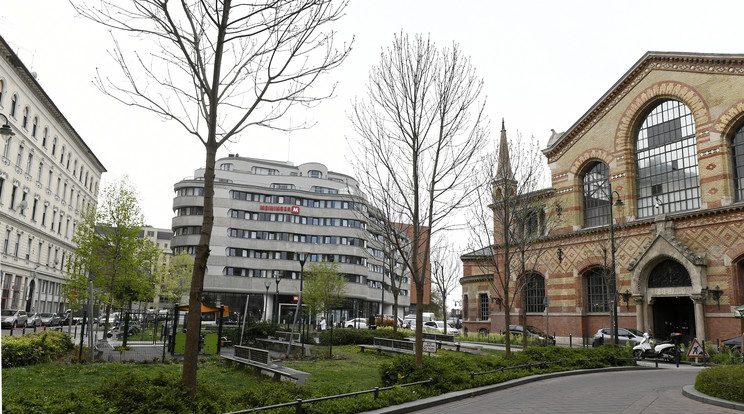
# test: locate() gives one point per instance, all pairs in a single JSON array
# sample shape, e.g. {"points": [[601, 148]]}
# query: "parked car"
{"points": [[360, 323], [13, 318], [624, 336], [50, 319], [733, 343], [33, 320], [409, 323], [530, 331], [66, 318], [115, 316], [456, 322], [438, 327]]}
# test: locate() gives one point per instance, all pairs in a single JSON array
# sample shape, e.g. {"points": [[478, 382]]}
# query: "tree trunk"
{"points": [[191, 355], [420, 323]]}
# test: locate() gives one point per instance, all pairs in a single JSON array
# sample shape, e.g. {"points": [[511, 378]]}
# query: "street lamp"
{"points": [[6, 130], [277, 279], [301, 258], [267, 283], [618, 203], [546, 303]]}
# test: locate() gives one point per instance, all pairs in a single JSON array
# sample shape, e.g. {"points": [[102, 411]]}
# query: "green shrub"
{"points": [[357, 336], [725, 382], [35, 348]]}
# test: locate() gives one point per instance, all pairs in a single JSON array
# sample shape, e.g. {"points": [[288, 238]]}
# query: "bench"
{"points": [[261, 362], [441, 339], [393, 345], [284, 336]]}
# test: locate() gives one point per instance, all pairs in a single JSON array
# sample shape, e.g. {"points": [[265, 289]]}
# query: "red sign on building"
{"points": [[291, 209]]}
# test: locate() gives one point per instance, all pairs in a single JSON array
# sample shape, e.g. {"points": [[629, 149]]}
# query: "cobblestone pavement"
{"points": [[647, 392]]}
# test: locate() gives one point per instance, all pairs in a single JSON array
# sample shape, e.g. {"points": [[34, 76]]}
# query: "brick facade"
{"points": [[708, 242]]}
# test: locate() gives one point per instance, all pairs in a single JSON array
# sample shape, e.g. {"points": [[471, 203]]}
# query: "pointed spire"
{"points": [[504, 168]]}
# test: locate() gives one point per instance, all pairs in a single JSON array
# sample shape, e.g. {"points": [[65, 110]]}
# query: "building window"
{"points": [[596, 189], [314, 174], [2, 95], [666, 153], [465, 309], [34, 126], [226, 166], [737, 152], [535, 293], [24, 122], [13, 105], [264, 171], [54, 146], [596, 289], [484, 313]]}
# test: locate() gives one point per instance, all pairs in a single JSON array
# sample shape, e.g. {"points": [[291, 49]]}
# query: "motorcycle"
{"points": [[666, 350], [116, 330]]}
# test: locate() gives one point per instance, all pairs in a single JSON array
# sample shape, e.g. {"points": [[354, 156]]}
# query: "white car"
{"points": [[360, 323], [437, 327]]}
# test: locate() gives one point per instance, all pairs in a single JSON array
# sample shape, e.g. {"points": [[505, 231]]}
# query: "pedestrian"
{"points": [[322, 323]]}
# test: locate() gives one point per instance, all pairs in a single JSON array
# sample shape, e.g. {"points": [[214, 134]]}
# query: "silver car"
{"points": [[13, 318], [623, 335]]}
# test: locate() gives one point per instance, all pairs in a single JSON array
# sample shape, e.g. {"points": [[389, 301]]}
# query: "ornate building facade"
{"points": [[668, 140], [49, 177]]}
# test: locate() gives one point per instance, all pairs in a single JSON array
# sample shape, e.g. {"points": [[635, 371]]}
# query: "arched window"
{"points": [[596, 290], [34, 126], [666, 156], [535, 291], [596, 189], [2, 91], [25, 118], [13, 105], [44, 137], [737, 152], [54, 146], [62, 155]]}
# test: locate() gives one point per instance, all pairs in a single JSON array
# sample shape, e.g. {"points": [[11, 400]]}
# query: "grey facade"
{"points": [[266, 213]]}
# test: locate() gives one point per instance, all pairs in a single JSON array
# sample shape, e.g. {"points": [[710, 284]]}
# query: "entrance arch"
{"points": [[673, 314]]}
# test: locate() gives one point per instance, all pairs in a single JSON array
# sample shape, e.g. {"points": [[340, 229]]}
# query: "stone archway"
{"points": [[668, 269]]}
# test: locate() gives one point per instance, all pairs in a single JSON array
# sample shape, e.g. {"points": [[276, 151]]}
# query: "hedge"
{"points": [[35, 348], [725, 381]]}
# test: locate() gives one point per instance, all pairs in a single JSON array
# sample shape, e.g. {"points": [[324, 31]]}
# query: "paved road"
{"points": [[647, 392]]}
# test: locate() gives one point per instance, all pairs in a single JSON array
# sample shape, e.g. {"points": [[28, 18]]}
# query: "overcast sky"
{"points": [[544, 64]]}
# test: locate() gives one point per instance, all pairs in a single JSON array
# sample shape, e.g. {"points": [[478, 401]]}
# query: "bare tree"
{"points": [[420, 130], [508, 218], [218, 68], [445, 272]]}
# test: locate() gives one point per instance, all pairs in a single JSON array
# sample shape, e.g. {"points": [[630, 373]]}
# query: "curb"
{"points": [[690, 392], [473, 392]]}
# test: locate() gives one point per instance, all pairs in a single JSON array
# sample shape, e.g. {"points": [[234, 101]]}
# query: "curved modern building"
{"points": [[266, 214]]}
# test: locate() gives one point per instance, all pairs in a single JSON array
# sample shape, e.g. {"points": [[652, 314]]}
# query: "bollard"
{"points": [[377, 392], [298, 408], [472, 374], [570, 340]]}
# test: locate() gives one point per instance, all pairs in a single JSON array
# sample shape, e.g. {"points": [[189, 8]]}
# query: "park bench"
{"points": [[261, 362], [441, 339], [392, 345]]}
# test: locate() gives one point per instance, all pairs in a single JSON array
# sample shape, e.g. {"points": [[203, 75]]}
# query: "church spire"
{"points": [[504, 171]]}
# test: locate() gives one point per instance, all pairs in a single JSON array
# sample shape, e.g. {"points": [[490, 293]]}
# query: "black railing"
{"points": [[298, 404], [529, 367]]}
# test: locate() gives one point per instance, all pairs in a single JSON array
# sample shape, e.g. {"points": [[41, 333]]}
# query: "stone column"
{"points": [[640, 307], [699, 301]]}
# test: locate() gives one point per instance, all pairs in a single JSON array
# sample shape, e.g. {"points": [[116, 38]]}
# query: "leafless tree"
{"points": [[508, 218], [218, 68], [420, 130], [445, 272], [393, 241]]}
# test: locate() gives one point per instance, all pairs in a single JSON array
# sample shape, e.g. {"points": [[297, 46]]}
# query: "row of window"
{"points": [[294, 201], [297, 219], [666, 159], [284, 255], [228, 166], [21, 245], [293, 237]]}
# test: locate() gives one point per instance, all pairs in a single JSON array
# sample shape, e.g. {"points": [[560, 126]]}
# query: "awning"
{"points": [[207, 309]]}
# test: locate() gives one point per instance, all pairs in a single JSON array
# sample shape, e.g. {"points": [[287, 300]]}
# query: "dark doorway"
{"points": [[674, 315], [30, 301]]}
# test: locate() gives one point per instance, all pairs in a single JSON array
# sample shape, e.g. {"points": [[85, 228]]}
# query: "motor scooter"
{"points": [[665, 350], [117, 328]]}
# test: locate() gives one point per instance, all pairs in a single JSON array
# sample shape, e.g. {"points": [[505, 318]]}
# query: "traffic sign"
{"points": [[696, 350]]}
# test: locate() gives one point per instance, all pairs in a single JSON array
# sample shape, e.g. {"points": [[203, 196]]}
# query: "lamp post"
{"points": [[277, 279], [6, 131], [618, 203], [546, 303], [301, 258], [267, 283]]}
